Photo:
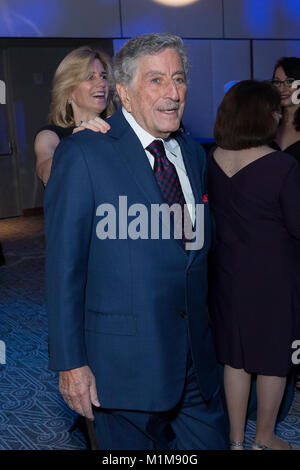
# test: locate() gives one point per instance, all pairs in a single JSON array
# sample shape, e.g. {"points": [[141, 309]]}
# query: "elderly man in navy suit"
{"points": [[126, 278]]}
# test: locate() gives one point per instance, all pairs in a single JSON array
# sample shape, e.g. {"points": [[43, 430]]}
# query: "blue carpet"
{"points": [[32, 412], [33, 416]]}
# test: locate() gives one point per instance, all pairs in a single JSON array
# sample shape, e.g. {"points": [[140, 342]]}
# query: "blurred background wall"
{"points": [[227, 40]]}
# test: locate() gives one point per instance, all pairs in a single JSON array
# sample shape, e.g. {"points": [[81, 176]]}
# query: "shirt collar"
{"points": [[143, 135], [145, 138]]}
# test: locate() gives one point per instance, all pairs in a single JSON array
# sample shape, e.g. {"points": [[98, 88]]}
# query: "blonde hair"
{"points": [[73, 70]]}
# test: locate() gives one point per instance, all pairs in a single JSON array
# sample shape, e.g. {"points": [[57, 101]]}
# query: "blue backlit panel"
{"points": [[118, 44], [267, 53], [214, 64], [201, 19], [60, 18], [259, 19]]}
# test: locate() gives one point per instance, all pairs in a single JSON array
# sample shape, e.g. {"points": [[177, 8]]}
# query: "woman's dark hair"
{"points": [[245, 117], [291, 67]]}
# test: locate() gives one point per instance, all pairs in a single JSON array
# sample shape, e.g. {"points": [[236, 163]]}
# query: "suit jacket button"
{"points": [[182, 314]]}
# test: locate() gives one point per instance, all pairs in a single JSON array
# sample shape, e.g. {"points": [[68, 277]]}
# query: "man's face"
{"points": [[156, 97]]}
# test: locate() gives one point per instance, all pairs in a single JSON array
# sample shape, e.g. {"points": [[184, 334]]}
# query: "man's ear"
{"points": [[122, 91]]}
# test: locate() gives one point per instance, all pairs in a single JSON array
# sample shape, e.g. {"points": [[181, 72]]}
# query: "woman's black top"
{"points": [[61, 132]]}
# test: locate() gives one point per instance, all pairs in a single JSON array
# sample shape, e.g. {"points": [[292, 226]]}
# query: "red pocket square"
{"points": [[205, 198]]}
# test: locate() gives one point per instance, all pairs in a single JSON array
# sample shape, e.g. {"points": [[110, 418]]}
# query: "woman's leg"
{"points": [[269, 391], [237, 388]]}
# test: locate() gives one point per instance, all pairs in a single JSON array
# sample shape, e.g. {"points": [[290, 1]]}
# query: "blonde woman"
{"points": [[81, 96]]}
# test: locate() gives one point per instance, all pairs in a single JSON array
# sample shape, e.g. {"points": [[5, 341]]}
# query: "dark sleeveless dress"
{"points": [[61, 132], [255, 298], [293, 149]]}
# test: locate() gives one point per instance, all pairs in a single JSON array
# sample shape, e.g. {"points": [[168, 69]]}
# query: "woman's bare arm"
{"points": [[45, 144]]}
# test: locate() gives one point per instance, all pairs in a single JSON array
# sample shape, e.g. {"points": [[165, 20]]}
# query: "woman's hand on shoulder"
{"points": [[97, 125]]}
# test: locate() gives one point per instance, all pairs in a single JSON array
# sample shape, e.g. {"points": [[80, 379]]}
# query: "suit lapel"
{"points": [[134, 157], [138, 165]]}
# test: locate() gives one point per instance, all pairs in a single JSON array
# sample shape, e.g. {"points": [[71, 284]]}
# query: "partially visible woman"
{"points": [[255, 198], [286, 71], [81, 96]]}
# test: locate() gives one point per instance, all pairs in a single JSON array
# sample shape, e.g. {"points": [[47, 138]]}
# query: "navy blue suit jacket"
{"points": [[127, 308]]}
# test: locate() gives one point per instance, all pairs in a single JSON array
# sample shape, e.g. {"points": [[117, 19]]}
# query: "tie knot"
{"points": [[156, 148]]}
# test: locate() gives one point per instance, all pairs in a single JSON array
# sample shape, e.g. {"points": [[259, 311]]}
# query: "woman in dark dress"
{"points": [[286, 71], [255, 198]]}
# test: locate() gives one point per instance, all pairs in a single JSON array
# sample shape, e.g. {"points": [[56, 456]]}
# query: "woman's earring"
{"points": [[69, 101]]}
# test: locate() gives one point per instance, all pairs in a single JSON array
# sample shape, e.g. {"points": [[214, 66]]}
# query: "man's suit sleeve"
{"points": [[69, 206]]}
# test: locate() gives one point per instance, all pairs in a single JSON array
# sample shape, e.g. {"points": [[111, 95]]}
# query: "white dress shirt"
{"points": [[173, 153]]}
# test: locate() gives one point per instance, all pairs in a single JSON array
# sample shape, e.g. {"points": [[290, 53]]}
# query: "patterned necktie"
{"points": [[168, 181]]}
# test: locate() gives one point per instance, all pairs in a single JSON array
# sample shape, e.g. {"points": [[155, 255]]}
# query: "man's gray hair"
{"points": [[125, 61]]}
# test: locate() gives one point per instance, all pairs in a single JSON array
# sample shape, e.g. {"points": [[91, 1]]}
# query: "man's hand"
{"points": [[78, 388], [96, 125]]}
